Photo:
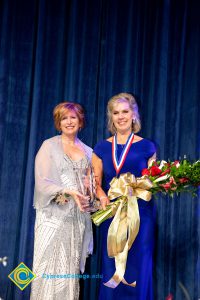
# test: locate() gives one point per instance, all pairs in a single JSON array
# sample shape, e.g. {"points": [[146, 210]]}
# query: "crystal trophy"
{"points": [[87, 186]]}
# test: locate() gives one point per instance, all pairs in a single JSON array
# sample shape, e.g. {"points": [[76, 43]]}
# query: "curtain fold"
{"points": [[87, 51]]}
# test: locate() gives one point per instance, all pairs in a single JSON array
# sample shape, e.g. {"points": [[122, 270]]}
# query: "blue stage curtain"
{"points": [[86, 51]]}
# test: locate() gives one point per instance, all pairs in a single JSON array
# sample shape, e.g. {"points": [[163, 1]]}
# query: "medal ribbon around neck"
{"points": [[118, 164]]}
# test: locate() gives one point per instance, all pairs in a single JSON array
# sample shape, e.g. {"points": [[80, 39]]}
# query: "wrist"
{"points": [[102, 198]]}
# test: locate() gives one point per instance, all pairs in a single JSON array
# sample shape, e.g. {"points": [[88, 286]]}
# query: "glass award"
{"points": [[87, 186]]}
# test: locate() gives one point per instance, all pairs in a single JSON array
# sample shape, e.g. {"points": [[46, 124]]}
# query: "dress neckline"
{"points": [[65, 154], [75, 160], [110, 142]]}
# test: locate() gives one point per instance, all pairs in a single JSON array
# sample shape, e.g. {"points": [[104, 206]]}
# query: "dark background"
{"points": [[86, 51]]}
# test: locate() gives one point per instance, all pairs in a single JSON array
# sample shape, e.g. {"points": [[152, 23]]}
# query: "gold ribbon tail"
{"points": [[126, 221], [125, 225]]}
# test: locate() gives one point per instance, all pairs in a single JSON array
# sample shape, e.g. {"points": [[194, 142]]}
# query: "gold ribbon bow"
{"points": [[125, 224]]}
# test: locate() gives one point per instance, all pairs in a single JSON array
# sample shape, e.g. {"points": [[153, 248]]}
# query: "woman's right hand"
{"points": [[80, 199]]}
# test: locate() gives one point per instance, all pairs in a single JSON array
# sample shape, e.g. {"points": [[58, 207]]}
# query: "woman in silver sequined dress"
{"points": [[63, 231]]}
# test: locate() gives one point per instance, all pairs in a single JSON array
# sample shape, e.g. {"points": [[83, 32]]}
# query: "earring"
{"points": [[133, 121]]}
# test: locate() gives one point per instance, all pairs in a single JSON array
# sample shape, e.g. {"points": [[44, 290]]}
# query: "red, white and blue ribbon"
{"points": [[118, 163]]}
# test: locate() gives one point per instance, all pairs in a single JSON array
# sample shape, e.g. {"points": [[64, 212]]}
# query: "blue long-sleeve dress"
{"points": [[139, 261]]}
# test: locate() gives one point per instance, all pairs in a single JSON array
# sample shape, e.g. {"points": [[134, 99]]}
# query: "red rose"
{"points": [[171, 180], [145, 172], [183, 180], [176, 162], [169, 297], [165, 172], [173, 183], [166, 185], [155, 171]]}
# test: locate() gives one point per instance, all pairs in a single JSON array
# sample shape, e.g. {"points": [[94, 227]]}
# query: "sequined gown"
{"points": [[63, 234]]}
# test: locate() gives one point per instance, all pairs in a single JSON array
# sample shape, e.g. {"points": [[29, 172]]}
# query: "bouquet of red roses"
{"points": [[174, 177], [169, 178], [161, 176]]}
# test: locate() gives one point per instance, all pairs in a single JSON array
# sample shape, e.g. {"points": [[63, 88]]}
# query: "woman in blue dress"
{"points": [[126, 152]]}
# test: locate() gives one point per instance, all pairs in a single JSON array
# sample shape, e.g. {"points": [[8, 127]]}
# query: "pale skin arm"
{"points": [[98, 171], [151, 159]]}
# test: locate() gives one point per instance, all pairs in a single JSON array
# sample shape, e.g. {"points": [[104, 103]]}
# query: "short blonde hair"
{"points": [[60, 110], [130, 99]]}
